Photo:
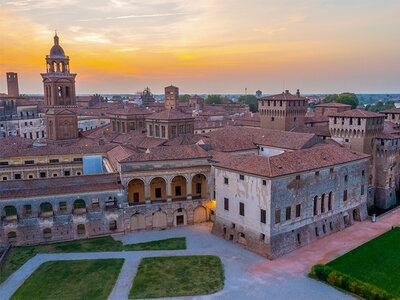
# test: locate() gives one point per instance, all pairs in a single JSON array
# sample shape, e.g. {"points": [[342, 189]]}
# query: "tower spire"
{"points": [[56, 41]]}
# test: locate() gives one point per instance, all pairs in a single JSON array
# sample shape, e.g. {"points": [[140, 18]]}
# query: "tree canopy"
{"points": [[380, 105], [251, 101], [348, 98], [216, 99], [184, 98]]}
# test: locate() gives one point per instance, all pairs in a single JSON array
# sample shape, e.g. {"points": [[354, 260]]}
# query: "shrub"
{"points": [[346, 282]]}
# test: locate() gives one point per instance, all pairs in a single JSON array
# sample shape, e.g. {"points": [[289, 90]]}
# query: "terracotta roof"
{"points": [[119, 153], [283, 96], [20, 147], [169, 153], [358, 113], [317, 130], [169, 114], [183, 139], [333, 104], [391, 111], [288, 162], [233, 138], [130, 110], [58, 185]]}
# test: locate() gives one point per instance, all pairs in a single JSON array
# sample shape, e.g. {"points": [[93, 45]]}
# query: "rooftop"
{"points": [[284, 96], [170, 114], [358, 113], [288, 162]]}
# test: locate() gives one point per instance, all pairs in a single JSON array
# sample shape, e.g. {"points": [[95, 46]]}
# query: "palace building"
{"points": [[268, 188]]}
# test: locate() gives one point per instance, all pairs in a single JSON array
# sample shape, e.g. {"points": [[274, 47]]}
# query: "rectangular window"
{"points": [[345, 195], [263, 216], [173, 130], [67, 173], [3, 163], [163, 131], [288, 213], [29, 162], [297, 177], [77, 158], [63, 206], [241, 177], [42, 174], [150, 130], [264, 182], [27, 209], [187, 128], [363, 173], [362, 190], [298, 210], [95, 203], [53, 161], [331, 170], [226, 180], [198, 188], [317, 173], [178, 191], [17, 176], [158, 192], [277, 216], [181, 128], [241, 208], [226, 203], [123, 127], [157, 130], [346, 178], [132, 126]]}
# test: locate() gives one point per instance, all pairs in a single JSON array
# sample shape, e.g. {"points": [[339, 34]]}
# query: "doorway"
{"points": [[180, 220]]}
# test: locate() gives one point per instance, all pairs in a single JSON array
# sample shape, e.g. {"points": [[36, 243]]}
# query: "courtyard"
{"points": [[247, 275]]}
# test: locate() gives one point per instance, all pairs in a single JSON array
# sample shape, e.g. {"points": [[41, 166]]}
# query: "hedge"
{"points": [[348, 283]]}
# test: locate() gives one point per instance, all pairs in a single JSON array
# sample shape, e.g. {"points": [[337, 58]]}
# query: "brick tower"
{"points": [[12, 84], [59, 96], [283, 111], [171, 97]]}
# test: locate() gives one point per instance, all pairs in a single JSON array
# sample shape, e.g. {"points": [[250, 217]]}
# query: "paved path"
{"points": [[246, 275]]}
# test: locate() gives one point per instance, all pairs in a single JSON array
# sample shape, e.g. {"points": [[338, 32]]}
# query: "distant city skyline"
{"points": [[206, 47]]}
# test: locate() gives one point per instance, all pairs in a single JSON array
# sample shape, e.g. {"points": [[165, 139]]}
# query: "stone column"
{"points": [[147, 193], [168, 189], [189, 188]]}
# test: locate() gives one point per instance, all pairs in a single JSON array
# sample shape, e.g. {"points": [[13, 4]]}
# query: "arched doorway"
{"points": [[200, 214], [178, 188], [159, 219], [180, 217], [80, 229], [158, 190], [199, 187], [79, 206], [138, 222], [46, 209], [10, 212], [136, 194]]}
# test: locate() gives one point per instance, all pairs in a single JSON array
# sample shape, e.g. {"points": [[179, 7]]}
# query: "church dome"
{"points": [[56, 51]]}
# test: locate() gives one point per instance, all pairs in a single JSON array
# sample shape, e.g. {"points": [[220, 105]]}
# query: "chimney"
{"points": [[298, 93], [286, 92]]}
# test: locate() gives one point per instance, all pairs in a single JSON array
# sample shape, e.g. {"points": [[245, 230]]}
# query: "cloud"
{"points": [[133, 17], [94, 38]]}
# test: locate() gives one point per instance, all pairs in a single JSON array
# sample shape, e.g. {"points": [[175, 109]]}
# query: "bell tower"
{"points": [[59, 96]]}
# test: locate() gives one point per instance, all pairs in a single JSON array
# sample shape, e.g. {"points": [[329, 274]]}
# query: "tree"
{"points": [[251, 101], [330, 98], [215, 99], [380, 105], [348, 98], [184, 98]]}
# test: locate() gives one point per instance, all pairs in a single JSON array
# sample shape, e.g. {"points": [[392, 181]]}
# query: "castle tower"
{"points": [[171, 97], [59, 96], [12, 84], [282, 111]]}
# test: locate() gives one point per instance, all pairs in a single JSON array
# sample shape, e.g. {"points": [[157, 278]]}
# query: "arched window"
{"points": [[330, 196], [81, 229], [315, 205], [79, 203], [323, 203]]}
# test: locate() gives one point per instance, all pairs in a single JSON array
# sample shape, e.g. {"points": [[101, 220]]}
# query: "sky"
{"points": [[207, 46]]}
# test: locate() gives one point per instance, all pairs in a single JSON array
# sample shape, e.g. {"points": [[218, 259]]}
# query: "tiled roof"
{"points": [[169, 153], [358, 113], [317, 130], [283, 96], [58, 186], [230, 139], [130, 110], [333, 104], [20, 147], [169, 114], [183, 139], [119, 153], [391, 111], [288, 162]]}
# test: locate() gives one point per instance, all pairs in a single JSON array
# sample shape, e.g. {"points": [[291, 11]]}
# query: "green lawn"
{"points": [[175, 276], [20, 255], [376, 262], [76, 279]]}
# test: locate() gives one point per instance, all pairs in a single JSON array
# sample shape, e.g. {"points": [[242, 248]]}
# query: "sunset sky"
{"points": [[207, 46]]}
